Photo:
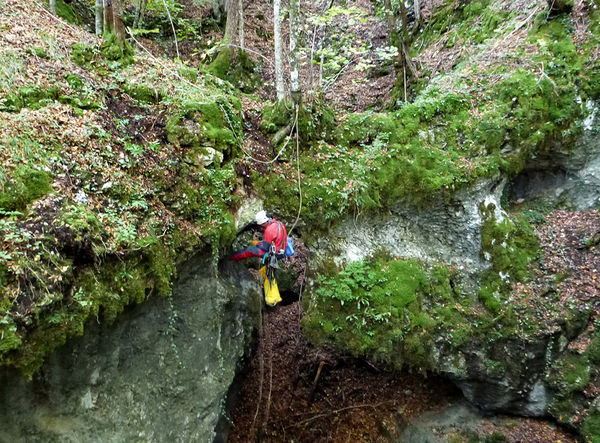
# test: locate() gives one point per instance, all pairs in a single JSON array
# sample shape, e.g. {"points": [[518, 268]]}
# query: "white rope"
{"points": [[173, 28], [298, 169], [288, 138]]}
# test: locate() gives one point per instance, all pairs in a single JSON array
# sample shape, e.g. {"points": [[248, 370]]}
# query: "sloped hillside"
{"points": [[116, 165], [113, 169]]}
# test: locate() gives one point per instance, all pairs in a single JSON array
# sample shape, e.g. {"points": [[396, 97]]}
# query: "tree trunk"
{"points": [[53, 6], [404, 18], [417, 8], [241, 23], [108, 17], [294, 52], [140, 10], [99, 17], [231, 27], [279, 83], [119, 26]]}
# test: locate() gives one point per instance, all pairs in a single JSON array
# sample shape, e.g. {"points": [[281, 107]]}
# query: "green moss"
{"points": [[66, 12], [83, 226], [510, 246], [221, 64], [115, 50], [275, 117], [8, 331], [237, 68], [33, 97], [79, 102], [216, 125], [375, 308], [101, 292], [145, 94], [570, 373], [473, 21], [82, 54], [591, 427], [28, 184]]}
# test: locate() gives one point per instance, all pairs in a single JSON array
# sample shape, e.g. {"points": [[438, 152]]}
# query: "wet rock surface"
{"points": [[160, 373]]}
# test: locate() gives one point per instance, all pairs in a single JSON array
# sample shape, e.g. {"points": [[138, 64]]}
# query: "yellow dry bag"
{"points": [[272, 296]]}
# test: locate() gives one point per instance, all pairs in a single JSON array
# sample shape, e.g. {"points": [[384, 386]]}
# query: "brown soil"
{"points": [[309, 394], [301, 393]]}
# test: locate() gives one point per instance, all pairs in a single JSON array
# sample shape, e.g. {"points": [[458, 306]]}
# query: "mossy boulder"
{"points": [[144, 93], [200, 125], [116, 50], [28, 185], [237, 68]]}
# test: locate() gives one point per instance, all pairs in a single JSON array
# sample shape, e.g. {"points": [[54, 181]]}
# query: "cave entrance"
{"points": [[288, 297]]}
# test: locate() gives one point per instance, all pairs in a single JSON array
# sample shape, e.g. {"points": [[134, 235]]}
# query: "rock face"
{"points": [[506, 375], [447, 232], [160, 373], [569, 176]]}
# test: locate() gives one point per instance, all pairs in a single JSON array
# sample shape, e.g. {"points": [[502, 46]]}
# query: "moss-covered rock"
{"points": [[144, 93], [510, 246], [237, 68], [200, 125], [28, 185], [115, 50]]}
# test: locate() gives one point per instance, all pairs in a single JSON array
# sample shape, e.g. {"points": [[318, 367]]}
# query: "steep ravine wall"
{"points": [[161, 372], [495, 370]]}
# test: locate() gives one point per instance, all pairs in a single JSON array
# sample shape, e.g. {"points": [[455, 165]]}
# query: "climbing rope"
{"points": [[173, 28], [298, 169], [261, 366]]}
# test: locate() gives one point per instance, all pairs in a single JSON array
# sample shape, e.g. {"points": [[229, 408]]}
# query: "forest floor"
{"points": [[296, 392]]}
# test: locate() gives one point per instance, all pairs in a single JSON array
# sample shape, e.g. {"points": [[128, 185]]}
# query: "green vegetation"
{"points": [[82, 54], [237, 68], [124, 209], [145, 94], [437, 144], [115, 50], [472, 22], [511, 246], [393, 310], [66, 12], [570, 375], [27, 185], [216, 125], [591, 427], [388, 310]]}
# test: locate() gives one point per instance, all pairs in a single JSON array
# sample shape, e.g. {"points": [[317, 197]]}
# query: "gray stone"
{"points": [[157, 374], [445, 232], [566, 176]]}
